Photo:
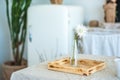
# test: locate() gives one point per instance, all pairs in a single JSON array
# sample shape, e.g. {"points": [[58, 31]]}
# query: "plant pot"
{"points": [[56, 1], [8, 69]]}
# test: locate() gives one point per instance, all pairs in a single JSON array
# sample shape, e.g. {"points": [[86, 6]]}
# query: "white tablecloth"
{"points": [[102, 42], [40, 72]]}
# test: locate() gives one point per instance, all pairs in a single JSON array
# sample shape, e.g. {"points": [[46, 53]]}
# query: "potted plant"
{"points": [[17, 22]]}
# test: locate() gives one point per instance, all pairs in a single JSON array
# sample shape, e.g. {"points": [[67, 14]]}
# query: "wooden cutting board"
{"points": [[85, 66]]}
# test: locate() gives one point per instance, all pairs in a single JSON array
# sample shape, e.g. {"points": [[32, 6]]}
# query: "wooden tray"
{"points": [[84, 67]]}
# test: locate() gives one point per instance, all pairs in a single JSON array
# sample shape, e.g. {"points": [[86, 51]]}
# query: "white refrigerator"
{"points": [[50, 31]]}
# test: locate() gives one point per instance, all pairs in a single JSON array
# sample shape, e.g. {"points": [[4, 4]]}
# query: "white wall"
{"points": [[4, 37], [93, 10]]}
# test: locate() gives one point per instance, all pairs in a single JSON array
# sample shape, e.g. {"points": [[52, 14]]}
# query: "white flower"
{"points": [[80, 30]]}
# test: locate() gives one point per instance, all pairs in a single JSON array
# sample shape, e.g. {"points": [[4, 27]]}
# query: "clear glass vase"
{"points": [[73, 59]]}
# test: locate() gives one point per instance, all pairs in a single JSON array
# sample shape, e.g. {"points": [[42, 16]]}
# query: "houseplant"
{"points": [[17, 22]]}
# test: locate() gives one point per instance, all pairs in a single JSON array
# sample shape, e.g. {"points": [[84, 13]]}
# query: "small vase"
{"points": [[73, 60], [56, 1]]}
